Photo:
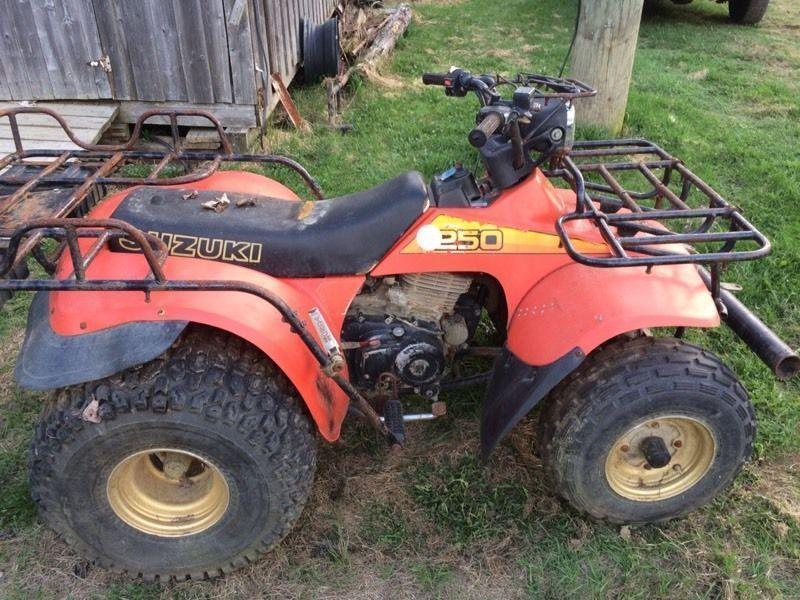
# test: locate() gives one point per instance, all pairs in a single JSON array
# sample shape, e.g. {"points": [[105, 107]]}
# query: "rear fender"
{"points": [[571, 312], [244, 315]]}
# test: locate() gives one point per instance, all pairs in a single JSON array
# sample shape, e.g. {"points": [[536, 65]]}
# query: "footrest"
{"points": [[393, 418]]}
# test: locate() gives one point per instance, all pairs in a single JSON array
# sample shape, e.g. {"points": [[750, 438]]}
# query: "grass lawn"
{"points": [[433, 522]]}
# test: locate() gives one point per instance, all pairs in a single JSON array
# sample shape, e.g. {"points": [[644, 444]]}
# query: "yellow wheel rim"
{"points": [[167, 492], [691, 446]]}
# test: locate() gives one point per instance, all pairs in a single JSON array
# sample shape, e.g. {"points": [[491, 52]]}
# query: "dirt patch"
{"points": [[779, 483]]}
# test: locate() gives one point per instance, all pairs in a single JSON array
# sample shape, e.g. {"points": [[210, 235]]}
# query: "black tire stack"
{"points": [[320, 49]]}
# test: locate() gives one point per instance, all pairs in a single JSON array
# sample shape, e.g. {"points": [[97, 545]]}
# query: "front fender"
{"points": [[571, 312], [581, 307], [244, 315]]}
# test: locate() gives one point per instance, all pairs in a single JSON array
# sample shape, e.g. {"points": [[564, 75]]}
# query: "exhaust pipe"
{"points": [[764, 342]]}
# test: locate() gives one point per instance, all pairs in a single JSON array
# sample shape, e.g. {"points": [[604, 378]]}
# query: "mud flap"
{"points": [[48, 360], [515, 389]]}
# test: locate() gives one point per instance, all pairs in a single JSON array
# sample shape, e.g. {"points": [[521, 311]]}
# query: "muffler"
{"points": [[765, 343]]}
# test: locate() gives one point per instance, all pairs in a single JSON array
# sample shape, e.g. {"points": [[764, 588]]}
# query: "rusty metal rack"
{"points": [[43, 194], [650, 209], [52, 184]]}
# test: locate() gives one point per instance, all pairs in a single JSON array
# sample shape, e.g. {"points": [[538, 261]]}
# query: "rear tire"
{"points": [[201, 462], [747, 12], [593, 431]]}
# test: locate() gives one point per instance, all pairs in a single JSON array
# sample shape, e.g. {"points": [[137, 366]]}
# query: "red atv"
{"points": [[201, 328]]}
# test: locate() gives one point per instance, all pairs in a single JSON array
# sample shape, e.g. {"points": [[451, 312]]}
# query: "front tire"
{"points": [[201, 462], [747, 12], [646, 430]]}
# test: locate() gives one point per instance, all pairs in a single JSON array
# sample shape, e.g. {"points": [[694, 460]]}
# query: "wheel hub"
{"points": [[655, 451], [167, 492], [660, 458]]}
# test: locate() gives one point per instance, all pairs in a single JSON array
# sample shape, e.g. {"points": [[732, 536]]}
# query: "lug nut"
{"points": [[677, 443], [624, 448]]}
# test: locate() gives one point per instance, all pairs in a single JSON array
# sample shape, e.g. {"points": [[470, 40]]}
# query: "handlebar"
{"points": [[484, 130], [459, 82], [436, 79]]}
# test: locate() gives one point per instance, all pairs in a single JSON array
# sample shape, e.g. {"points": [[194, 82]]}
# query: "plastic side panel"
{"points": [[578, 306], [242, 314]]}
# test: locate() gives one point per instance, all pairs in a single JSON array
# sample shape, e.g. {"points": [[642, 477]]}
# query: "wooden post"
{"points": [[603, 58]]}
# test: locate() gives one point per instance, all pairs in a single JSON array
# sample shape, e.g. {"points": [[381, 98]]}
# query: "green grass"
{"points": [[434, 522]]}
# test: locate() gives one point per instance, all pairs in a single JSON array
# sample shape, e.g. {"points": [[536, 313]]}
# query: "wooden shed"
{"points": [[139, 54]]}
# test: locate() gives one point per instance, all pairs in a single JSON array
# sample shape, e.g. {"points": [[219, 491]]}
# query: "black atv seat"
{"points": [[339, 236]]}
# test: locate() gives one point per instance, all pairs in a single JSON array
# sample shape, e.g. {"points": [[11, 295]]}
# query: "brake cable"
{"points": [[572, 43]]}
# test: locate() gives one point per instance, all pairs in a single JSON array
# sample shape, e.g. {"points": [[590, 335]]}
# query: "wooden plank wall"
{"points": [[183, 51], [45, 50], [178, 50]]}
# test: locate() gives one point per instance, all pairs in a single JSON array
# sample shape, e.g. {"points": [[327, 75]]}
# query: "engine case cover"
{"points": [[412, 353]]}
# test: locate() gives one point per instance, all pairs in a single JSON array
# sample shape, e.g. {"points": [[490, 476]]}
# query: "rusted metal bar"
{"points": [[32, 183], [685, 238], [78, 268], [102, 239], [601, 222], [665, 191], [19, 246], [12, 122], [618, 189], [169, 157]]}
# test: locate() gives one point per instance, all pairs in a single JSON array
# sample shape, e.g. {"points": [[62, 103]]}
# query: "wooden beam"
{"points": [[603, 57], [230, 115], [98, 110], [288, 103]]}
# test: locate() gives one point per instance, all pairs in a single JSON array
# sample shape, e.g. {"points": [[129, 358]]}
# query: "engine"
{"points": [[401, 331]]}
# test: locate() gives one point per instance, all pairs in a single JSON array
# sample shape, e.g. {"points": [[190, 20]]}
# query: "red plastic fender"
{"points": [[577, 306], [244, 315]]}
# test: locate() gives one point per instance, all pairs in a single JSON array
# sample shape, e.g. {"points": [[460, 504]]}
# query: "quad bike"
{"points": [[200, 327], [744, 12]]}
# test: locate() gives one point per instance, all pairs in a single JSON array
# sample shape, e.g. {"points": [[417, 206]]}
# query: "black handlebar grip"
{"points": [[436, 79], [484, 130]]}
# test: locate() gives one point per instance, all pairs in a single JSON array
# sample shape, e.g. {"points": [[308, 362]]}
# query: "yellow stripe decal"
{"points": [[452, 234]]}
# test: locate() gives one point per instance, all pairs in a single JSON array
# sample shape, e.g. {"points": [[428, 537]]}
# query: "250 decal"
{"points": [[435, 238], [470, 240]]}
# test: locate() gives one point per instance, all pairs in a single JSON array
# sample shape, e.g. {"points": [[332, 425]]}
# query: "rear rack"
{"points": [[38, 184], [650, 209]]}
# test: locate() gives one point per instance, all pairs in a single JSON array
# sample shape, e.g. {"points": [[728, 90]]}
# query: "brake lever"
{"points": [[515, 135]]}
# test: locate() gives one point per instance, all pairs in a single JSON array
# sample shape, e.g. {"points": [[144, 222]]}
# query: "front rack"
{"points": [[650, 209]]}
